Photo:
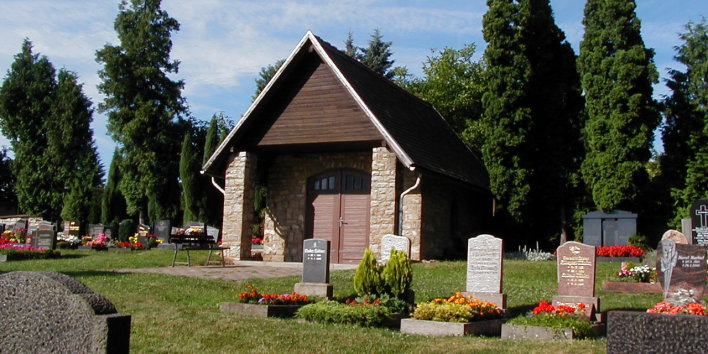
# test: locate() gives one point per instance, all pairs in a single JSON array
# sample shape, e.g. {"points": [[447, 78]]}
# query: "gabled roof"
{"points": [[411, 127]]}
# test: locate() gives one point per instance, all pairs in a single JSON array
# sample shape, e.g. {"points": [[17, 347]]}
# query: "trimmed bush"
{"points": [[335, 312], [16, 255], [367, 279], [126, 228], [398, 274]]}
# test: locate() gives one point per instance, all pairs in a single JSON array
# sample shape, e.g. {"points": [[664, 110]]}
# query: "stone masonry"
{"points": [[383, 197], [238, 205]]}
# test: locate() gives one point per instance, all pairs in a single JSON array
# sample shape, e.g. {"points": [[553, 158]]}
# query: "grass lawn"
{"points": [[180, 315]]}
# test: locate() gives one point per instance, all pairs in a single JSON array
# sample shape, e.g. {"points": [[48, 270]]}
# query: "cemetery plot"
{"points": [[315, 269]]}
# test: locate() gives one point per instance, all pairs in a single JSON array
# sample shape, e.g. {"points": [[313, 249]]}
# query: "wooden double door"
{"points": [[338, 210]]}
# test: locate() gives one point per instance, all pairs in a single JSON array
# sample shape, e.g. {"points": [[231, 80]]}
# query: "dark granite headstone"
{"points": [[576, 276], [640, 332], [71, 228], [47, 312], [162, 230], [699, 220], [315, 261], [682, 271], [95, 229], [20, 224]]}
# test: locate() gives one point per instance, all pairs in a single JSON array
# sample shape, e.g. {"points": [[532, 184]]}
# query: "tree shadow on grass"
{"points": [[519, 310]]}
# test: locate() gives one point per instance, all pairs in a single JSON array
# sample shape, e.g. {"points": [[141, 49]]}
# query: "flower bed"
{"points": [[15, 252], [561, 322], [619, 251], [456, 315], [252, 302]]}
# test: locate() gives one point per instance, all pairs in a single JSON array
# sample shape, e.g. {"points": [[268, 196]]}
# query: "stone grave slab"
{"points": [[485, 266], [399, 243], [576, 276], [315, 269], [699, 222], [675, 236], [681, 270], [47, 312]]}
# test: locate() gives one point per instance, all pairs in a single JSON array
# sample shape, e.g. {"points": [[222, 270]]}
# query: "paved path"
{"points": [[241, 270]]}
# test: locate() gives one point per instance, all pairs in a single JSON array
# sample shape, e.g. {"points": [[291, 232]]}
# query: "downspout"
{"points": [[213, 181], [400, 202]]}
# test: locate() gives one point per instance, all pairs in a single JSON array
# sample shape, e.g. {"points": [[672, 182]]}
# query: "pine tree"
{"points": [[265, 75], [617, 72], [26, 99], [7, 179], [378, 55], [113, 207], [141, 104], [349, 48], [685, 134], [188, 166]]}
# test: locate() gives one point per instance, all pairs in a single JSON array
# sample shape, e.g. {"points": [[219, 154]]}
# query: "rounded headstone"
{"points": [[675, 236]]}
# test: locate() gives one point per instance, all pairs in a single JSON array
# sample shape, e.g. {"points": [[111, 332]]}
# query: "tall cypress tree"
{"points": [[506, 120], [685, 134], [188, 166], [26, 99], [142, 103], [113, 207], [617, 72]]}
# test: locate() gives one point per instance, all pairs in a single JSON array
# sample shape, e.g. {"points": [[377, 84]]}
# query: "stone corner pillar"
{"points": [[383, 197], [238, 205]]}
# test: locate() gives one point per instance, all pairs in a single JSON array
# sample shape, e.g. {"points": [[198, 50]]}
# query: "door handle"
{"points": [[341, 221]]}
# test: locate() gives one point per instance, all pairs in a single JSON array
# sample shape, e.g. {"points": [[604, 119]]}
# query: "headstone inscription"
{"points": [[143, 230], [52, 312], [682, 271], [71, 228], [485, 265], [315, 269], [162, 230], [576, 277], [44, 239], [699, 221], [399, 243]]}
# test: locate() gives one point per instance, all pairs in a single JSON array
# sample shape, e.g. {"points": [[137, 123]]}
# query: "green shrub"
{"points": [[335, 312], [639, 241], [367, 279], [126, 228], [582, 328], [398, 274], [394, 305], [16, 255]]}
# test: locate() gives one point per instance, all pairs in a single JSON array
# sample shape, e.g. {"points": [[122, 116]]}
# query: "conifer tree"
{"points": [[265, 75], [26, 99], [189, 176], [617, 72], [142, 103], [377, 55], [113, 207]]}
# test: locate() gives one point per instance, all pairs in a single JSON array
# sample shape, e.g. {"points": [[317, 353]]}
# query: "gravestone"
{"points": [[162, 230], [20, 224], [315, 269], [45, 225], [681, 270], [95, 229], [609, 229], [699, 221], [110, 232], [43, 238], [47, 312], [485, 266], [399, 243], [576, 277], [675, 236], [213, 233], [71, 228], [143, 230]]}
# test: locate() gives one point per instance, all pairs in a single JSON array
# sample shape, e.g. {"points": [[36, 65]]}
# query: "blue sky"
{"points": [[223, 44]]}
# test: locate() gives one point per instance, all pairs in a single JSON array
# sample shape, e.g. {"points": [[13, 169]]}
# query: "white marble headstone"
{"points": [[399, 243], [484, 264]]}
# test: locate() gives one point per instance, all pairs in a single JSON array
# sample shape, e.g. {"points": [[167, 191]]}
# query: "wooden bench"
{"points": [[193, 243]]}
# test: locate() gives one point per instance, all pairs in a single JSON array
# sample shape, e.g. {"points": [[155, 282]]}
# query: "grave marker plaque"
{"points": [[162, 230], [44, 239], [315, 261], [681, 270], [399, 243], [576, 276], [71, 228], [699, 221], [485, 265]]}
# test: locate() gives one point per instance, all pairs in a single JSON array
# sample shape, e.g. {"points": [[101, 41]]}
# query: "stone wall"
{"points": [[284, 228], [238, 205], [383, 196]]}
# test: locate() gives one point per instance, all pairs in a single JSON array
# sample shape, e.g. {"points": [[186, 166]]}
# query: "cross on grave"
{"points": [[703, 214]]}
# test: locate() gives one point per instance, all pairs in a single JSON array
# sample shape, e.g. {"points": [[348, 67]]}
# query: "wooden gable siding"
{"points": [[322, 111]]}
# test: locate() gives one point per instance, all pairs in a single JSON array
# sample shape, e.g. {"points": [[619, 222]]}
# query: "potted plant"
{"points": [[456, 315]]}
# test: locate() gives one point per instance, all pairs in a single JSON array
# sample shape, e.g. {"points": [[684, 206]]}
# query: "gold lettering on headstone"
{"points": [[575, 272]]}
